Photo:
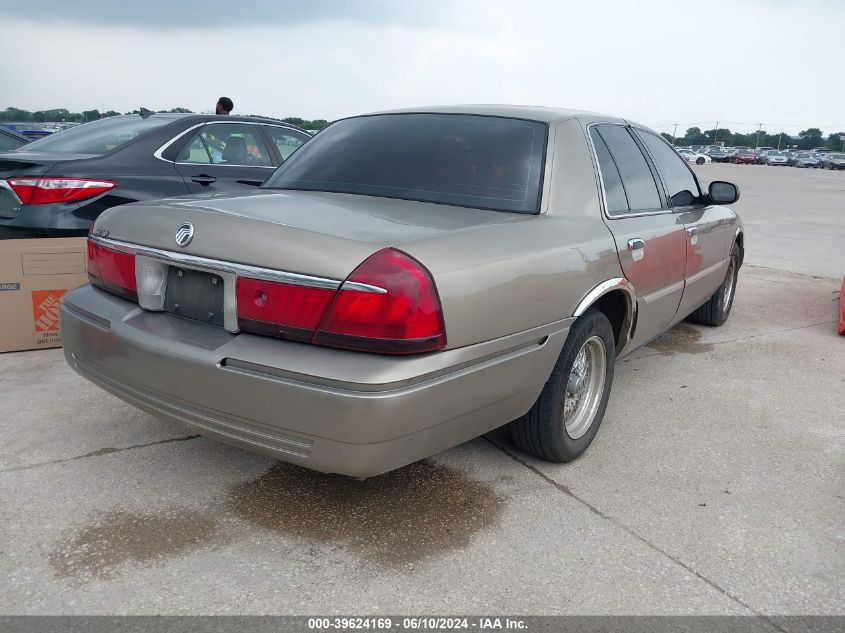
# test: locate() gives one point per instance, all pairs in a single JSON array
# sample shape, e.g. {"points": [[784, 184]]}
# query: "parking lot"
{"points": [[715, 485]]}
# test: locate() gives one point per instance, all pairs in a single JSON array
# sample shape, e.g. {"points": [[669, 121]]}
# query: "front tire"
{"points": [[718, 307], [699, 161], [567, 415]]}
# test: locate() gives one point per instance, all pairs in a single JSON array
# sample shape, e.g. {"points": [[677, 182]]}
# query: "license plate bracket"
{"points": [[194, 294]]}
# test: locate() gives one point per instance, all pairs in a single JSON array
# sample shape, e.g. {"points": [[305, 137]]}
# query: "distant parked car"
{"points": [[717, 154], [10, 140], [694, 157], [804, 159], [775, 157], [833, 161], [744, 157], [63, 182]]}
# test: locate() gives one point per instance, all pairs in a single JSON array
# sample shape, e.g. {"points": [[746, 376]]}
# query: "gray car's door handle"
{"points": [[637, 248], [204, 179], [693, 235]]}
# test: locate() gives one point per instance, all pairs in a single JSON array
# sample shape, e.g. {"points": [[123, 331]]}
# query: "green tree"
{"points": [[810, 138], [91, 115], [833, 142]]}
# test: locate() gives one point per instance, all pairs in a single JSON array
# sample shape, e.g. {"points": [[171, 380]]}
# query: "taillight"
{"points": [[47, 190], [388, 304], [112, 270], [279, 309], [406, 318]]}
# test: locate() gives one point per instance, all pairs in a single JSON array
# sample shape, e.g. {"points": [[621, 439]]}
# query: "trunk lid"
{"points": [[312, 233], [24, 163]]}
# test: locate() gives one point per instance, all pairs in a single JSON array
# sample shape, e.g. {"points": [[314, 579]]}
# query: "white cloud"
{"points": [[658, 62]]}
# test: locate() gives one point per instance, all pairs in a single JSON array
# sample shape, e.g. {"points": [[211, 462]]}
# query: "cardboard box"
{"points": [[34, 275]]}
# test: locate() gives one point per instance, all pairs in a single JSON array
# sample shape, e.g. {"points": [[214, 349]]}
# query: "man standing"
{"points": [[224, 106]]}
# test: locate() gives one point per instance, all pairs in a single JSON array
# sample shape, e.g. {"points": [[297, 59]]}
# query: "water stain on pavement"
{"points": [[391, 520], [681, 339], [121, 536]]}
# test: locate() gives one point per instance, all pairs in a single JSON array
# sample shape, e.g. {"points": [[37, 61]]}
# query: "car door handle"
{"points": [[693, 235], [204, 179], [251, 183], [637, 248]]}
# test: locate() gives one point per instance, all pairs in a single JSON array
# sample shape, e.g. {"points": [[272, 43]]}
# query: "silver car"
{"points": [[405, 282], [774, 157]]}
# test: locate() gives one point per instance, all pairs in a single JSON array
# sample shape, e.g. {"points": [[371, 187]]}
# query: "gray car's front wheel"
{"points": [[564, 420]]}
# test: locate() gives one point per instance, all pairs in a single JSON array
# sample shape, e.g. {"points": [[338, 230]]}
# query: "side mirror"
{"points": [[721, 192]]}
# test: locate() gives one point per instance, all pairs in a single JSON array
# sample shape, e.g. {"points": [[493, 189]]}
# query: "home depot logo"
{"points": [[45, 309]]}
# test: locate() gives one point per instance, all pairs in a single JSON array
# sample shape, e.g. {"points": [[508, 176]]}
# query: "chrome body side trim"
{"points": [[603, 288], [722, 263], [158, 152], [617, 283], [663, 292], [245, 270]]}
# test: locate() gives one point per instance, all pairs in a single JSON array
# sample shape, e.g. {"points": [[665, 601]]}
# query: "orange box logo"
{"points": [[45, 309]]}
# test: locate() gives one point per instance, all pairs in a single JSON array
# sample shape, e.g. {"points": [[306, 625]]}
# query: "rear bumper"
{"points": [[60, 218], [329, 410]]}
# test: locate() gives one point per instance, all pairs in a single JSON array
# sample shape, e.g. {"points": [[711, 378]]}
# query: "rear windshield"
{"points": [[466, 160], [97, 137]]}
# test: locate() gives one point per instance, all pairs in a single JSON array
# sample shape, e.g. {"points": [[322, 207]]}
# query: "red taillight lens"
{"points": [[406, 318], [279, 309], [48, 190], [112, 270]]}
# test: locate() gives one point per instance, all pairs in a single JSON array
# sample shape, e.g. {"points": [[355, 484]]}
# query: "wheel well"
{"points": [[614, 305], [740, 241]]}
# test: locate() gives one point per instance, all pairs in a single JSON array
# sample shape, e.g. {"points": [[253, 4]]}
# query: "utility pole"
{"points": [[759, 129], [716, 133], [675, 135], [780, 138]]}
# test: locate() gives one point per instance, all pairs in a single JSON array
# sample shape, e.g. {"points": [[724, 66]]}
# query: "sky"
{"points": [[738, 62]]}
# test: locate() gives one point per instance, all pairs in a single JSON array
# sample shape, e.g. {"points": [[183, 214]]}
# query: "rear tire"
{"points": [[567, 415], [718, 307], [699, 161]]}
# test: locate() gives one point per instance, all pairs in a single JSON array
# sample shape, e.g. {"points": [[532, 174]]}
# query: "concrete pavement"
{"points": [[715, 486]]}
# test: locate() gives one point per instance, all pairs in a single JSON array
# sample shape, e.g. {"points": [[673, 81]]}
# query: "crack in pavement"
{"points": [[742, 338], [102, 451], [788, 272], [565, 490]]}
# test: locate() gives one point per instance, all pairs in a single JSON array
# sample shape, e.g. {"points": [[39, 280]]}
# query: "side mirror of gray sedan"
{"points": [[722, 192]]}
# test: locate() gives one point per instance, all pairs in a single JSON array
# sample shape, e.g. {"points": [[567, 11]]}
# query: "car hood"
{"points": [[315, 233]]}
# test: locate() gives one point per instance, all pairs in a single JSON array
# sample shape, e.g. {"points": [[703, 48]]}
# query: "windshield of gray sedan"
{"points": [[97, 137], [466, 160]]}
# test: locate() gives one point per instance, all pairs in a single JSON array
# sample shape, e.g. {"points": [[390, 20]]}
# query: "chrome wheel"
{"points": [[584, 388], [730, 280]]}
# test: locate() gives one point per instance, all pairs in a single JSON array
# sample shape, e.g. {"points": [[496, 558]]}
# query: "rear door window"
{"points": [[614, 193], [637, 180], [194, 152], [287, 141], [227, 144]]}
